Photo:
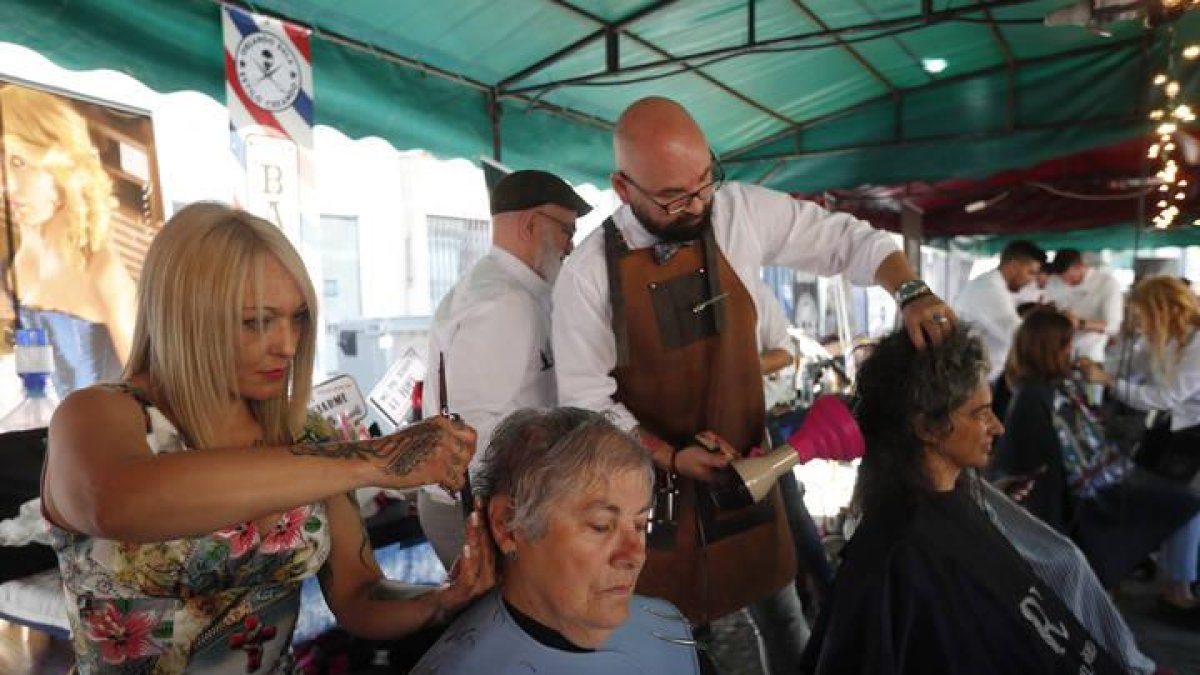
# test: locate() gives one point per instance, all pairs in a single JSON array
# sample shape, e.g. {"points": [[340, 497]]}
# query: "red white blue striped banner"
{"points": [[268, 76]]}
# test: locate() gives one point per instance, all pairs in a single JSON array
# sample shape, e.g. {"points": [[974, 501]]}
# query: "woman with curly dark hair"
{"points": [[932, 580]]}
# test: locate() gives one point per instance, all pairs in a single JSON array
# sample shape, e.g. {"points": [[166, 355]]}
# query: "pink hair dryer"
{"points": [[829, 432]]}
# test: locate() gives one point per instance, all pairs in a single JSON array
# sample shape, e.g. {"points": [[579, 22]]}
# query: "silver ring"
{"points": [[939, 317]]}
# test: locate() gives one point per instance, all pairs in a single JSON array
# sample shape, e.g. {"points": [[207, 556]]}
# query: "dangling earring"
{"points": [[511, 554]]}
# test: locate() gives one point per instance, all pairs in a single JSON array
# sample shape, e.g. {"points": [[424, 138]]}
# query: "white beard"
{"points": [[549, 262]]}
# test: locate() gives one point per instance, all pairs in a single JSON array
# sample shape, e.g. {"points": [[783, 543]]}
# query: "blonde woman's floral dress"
{"points": [[219, 604]]}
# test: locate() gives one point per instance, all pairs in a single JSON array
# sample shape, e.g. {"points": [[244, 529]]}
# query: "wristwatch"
{"points": [[910, 290]]}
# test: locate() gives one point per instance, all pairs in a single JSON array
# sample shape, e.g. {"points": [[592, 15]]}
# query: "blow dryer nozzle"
{"points": [[829, 432]]}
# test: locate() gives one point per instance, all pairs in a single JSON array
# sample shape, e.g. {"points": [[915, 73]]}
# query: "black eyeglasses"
{"points": [[679, 204], [568, 229]]}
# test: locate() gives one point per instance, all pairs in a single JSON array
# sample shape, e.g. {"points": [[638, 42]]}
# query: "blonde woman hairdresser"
{"points": [[1168, 315], [70, 280], [190, 500]]}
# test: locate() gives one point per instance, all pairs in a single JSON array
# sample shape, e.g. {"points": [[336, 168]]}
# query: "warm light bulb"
{"points": [[1156, 114], [1172, 88], [1191, 52], [1169, 147], [1166, 128], [1160, 79], [1183, 183], [1179, 195], [1162, 204]]}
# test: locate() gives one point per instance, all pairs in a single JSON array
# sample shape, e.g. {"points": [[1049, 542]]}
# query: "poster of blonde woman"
{"points": [[80, 207]]}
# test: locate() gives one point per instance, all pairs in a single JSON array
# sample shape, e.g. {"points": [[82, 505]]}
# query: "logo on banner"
{"points": [[268, 66], [268, 70]]}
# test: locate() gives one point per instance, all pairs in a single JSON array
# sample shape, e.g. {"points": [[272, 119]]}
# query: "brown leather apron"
{"points": [[686, 332]]}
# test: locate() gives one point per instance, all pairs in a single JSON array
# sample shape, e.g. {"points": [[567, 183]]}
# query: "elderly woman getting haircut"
{"points": [[568, 499]]}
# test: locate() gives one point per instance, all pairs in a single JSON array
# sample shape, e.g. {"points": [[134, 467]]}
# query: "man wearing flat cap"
{"points": [[493, 327]]}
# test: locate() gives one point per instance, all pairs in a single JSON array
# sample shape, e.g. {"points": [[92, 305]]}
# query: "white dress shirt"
{"points": [[1177, 390], [780, 386], [987, 304], [494, 329], [772, 325], [1030, 292], [1097, 297], [753, 227]]}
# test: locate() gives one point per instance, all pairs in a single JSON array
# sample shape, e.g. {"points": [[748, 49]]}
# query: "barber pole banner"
{"points": [[269, 92], [268, 75]]}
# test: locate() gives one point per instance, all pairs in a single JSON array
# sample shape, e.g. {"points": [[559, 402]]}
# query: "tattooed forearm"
{"points": [[402, 452], [421, 443], [365, 555]]}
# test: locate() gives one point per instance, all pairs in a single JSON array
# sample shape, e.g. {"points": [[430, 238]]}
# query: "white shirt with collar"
{"points": [[494, 329], [1177, 390], [753, 227], [772, 324], [1098, 297], [987, 304], [1030, 292]]}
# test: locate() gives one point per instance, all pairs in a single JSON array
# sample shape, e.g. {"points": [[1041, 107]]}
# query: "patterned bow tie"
{"points": [[666, 250]]}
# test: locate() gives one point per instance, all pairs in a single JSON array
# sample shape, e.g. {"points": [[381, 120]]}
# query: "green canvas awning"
{"points": [[1115, 238], [798, 95]]}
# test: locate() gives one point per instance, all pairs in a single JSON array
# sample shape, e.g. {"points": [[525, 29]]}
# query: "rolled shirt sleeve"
{"points": [[1178, 392], [802, 235], [772, 326]]}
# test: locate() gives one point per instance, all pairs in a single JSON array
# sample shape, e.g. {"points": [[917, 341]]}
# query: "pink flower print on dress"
{"points": [[241, 537], [251, 641], [286, 533], [121, 636]]}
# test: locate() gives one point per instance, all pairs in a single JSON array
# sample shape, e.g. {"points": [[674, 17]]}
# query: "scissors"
{"points": [[468, 500]]}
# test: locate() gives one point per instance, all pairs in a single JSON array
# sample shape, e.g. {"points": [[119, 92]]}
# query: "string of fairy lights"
{"points": [[1170, 115]]}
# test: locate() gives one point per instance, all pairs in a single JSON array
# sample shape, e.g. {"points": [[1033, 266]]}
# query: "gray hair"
{"points": [[538, 457]]}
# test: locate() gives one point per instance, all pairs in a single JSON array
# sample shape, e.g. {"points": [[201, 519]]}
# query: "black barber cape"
{"points": [[936, 588]]}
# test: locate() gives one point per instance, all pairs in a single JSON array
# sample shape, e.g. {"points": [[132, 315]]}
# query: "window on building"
{"points": [[341, 292], [455, 244]]}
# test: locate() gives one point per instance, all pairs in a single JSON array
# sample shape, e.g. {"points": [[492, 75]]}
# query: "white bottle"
{"points": [[35, 363]]}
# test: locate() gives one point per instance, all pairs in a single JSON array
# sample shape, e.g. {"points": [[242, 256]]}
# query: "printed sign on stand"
{"points": [[392, 397], [338, 396]]}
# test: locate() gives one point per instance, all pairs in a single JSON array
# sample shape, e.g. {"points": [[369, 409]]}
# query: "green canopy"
{"points": [[1116, 238], [798, 95]]}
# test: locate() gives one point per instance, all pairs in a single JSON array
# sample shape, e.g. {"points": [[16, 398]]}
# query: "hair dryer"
{"points": [[829, 432]]}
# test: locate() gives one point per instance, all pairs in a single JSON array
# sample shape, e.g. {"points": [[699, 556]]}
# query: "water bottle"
{"points": [[35, 363]]}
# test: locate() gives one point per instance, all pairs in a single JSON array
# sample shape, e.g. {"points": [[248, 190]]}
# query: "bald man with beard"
{"points": [[655, 326]]}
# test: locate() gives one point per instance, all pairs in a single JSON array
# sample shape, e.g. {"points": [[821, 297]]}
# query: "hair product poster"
{"points": [[81, 203]]}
